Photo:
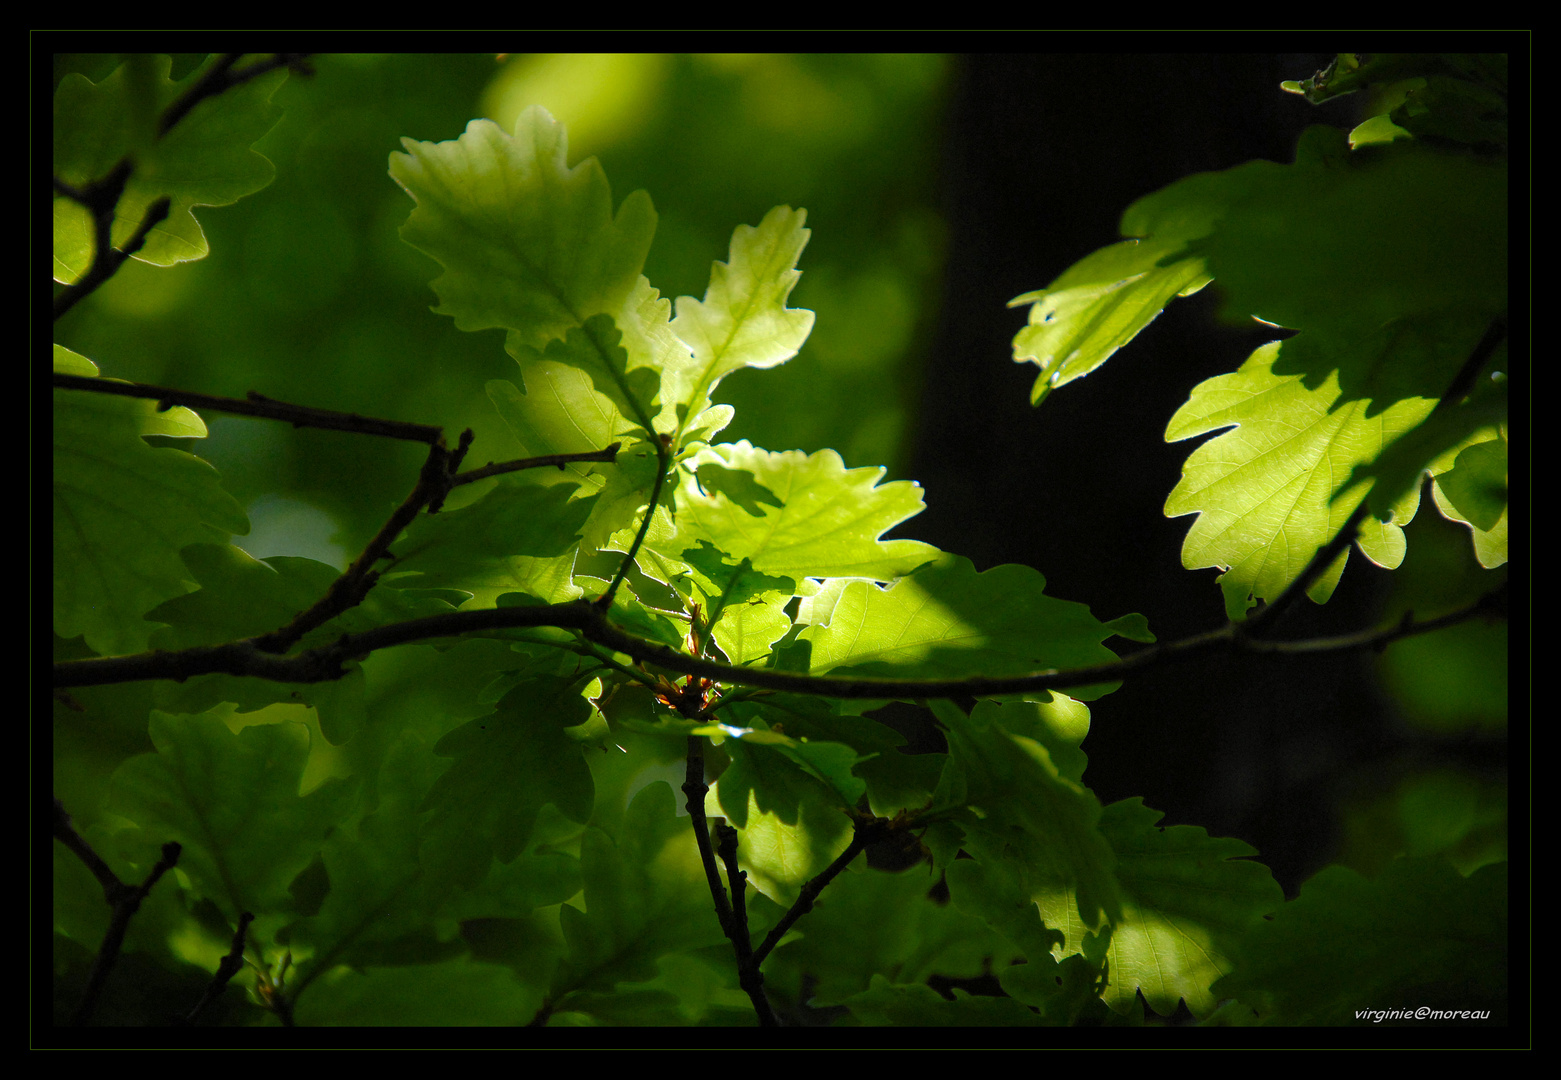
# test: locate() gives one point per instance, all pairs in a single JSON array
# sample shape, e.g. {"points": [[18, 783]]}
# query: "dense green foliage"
{"points": [[480, 825]]}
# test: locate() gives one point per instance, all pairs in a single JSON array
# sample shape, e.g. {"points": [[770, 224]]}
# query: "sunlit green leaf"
{"points": [[743, 320], [780, 858], [828, 525], [1097, 306], [779, 772], [528, 243], [1022, 806], [491, 546], [1474, 491], [744, 609], [946, 620], [1187, 898], [595, 350], [1267, 492]]}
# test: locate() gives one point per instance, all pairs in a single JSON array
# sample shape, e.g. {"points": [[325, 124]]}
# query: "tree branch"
{"points": [[125, 900], [348, 590], [1458, 389], [733, 922], [323, 664], [230, 965], [862, 834], [257, 405]]}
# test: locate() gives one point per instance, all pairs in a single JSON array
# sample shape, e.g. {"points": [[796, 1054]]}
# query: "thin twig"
{"points": [[222, 78], [1458, 389], [230, 965], [1321, 560], [433, 484], [471, 476], [695, 789], [861, 835], [257, 405], [662, 464], [325, 663], [348, 590], [125, 900]]}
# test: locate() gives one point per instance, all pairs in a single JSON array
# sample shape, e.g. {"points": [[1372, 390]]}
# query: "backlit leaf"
{"points": [[528, 243], [1419, 935], [1097, 306], [1267, 493], [828, 525], [1187, 898], [947, 621], [1023, 806], [743, 321], [489, 547]]}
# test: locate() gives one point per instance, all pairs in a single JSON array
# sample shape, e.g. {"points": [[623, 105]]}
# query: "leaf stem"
{"points": [[604, 602]]}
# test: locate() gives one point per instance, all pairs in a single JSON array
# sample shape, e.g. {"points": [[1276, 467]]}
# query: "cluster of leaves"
{"points": [[1386, 254], [498, 842]]}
